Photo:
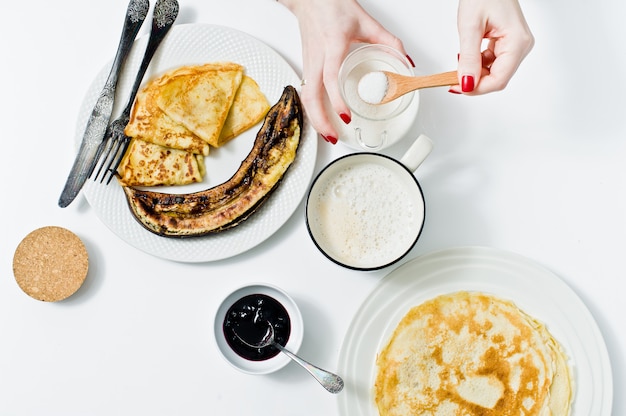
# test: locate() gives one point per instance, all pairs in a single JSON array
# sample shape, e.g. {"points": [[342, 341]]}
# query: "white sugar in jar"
{"points": [[374, 126]]}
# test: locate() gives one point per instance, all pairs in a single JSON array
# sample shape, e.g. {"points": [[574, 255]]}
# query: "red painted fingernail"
{"points": [[345, 117], [330, 139], [458, 56], [467, 83], [451, 91], [410, 61]]}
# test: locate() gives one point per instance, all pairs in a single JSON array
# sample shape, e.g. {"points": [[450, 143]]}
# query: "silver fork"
{"points": [[112, 149]]}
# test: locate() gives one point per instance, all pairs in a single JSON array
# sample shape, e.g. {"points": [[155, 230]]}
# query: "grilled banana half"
{"points": [[227, 205]]}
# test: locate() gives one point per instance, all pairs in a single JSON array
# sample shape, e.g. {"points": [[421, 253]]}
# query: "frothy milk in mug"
{"points": [[366, 215]]}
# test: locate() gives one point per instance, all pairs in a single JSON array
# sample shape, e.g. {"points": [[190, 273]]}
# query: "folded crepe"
{"points": [[183, 112], [248, 108], [200, 97], [148, 164], [149, 123]]}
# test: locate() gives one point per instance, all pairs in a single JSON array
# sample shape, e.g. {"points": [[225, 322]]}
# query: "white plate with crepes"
{"points": [[191, 44], [534, 289]]}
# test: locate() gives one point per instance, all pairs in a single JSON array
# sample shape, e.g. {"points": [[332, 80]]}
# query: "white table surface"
{"points": [[537, 169]]}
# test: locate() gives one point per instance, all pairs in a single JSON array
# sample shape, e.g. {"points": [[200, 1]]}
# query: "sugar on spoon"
{"points": [[381, 87], [331, 382]]}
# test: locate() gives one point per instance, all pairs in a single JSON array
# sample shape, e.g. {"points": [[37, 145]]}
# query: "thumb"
{"points": [[470, 58]]}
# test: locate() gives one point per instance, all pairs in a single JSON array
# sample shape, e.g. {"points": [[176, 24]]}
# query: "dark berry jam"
{"points": [[248, 317]]}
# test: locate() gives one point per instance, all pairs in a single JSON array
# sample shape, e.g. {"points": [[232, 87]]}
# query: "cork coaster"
{"points": [[50, 264]]}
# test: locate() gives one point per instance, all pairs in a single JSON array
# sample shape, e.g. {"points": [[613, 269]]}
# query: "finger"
{"points": [[456, 89], [332, 63], [313, 93], [500, 73], [313, 97], [382, 36], [470, 63], [374, 32], [488, 58], [504, 64], [471, 32]]}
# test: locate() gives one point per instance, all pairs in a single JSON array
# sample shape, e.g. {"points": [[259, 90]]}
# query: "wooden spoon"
{"points": [[381, 87]]}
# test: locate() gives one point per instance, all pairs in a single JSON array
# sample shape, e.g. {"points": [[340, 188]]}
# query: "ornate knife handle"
{"points": [[135, 15]]}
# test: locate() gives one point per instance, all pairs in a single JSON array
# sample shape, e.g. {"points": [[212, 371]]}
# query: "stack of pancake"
{"points": [[178, 116], [470, 353]]}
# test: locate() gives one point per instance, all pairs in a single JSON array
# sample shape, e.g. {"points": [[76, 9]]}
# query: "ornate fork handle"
{"points": [[164, 15]]}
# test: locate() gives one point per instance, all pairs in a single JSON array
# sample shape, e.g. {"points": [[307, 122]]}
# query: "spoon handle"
{"points": [[443, 79], [403, 84], [331, 382], [407, 83]]}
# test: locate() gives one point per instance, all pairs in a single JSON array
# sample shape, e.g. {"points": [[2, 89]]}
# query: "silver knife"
{"points": [[99, 119]]}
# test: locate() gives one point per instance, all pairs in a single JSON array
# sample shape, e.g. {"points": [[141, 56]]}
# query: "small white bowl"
{"points": [[293, 343]]}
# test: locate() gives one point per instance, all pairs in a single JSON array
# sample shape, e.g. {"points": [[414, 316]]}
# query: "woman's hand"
{"points": [[502, 23], [328, 28]]}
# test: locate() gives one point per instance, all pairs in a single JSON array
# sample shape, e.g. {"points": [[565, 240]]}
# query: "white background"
{"points": [[537, 169]]}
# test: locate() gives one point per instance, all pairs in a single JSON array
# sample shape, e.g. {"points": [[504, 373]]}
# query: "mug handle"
{"points": [[417, 153]]}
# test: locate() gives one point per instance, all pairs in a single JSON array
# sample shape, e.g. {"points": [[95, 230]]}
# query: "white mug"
{"points": [[366, 211]]}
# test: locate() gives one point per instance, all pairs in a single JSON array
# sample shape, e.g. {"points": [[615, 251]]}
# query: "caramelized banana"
{"points": [[227, 205]]}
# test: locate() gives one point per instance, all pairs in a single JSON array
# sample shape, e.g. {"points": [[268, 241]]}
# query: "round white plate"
{"points": [[534, 289], [197, 44]]}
